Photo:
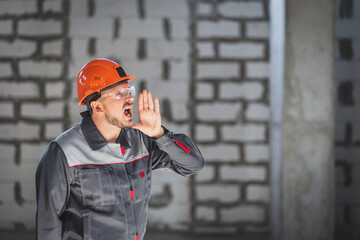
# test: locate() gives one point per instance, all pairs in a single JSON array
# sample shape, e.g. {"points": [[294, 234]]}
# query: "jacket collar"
{"points": [[94, 137]]}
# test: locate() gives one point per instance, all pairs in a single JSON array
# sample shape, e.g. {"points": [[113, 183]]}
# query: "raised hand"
{"points": [[149, 115]]}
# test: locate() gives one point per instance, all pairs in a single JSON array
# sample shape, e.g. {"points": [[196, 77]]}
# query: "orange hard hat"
{"points": [[99, 74]]}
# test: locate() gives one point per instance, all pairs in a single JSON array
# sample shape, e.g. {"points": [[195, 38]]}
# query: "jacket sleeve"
{"points": [[52, 191], [177, 152]]}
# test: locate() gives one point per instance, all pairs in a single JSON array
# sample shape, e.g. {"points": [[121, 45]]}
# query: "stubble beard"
{"points": [[115, 121]]}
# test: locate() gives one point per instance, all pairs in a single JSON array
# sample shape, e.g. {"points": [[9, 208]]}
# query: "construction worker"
{"points": [[93, 181]]}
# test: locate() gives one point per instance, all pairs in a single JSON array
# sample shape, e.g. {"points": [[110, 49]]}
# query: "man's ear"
{"points": [[96, 106]]}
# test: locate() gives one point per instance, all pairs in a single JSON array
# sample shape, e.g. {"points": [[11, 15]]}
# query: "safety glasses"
{"points": [[121, 93]]}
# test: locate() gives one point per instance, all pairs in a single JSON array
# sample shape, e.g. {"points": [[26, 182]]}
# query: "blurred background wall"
{"points": [[208, 61]]}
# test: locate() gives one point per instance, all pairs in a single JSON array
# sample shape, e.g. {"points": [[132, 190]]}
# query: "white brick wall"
{"points": [[221, 152], [52, 6], [18, 90], [32, 153], [204, 91], [29, 68], [6, 110], [113, 8], [53, 47], [258, 193], [206, 174], [7, 153], [227, 29], [54, 90], [52, 130], [20, 131], [5, 70], [39, 27], [257, 70], [248, 50], [205, 213], [218, 70], [205, 133], [243, 214], [36, 110], [245, 90], [257, 112], [5, 26], [172, 8], [258, 30], [218, 111], [243, 173], [256, 152], [206, 50], [135, 28], [219, 193], [242, 9], [91, 27], [17, 48], [244, 132], [17, 7]]}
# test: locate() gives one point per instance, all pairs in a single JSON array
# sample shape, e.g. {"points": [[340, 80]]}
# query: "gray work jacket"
{"points": [[87, 188]]}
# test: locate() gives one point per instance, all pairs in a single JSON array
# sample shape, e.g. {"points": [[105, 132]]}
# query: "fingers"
{"points": [[145, 100], [157, 105], [150, 101], [140, 102]]}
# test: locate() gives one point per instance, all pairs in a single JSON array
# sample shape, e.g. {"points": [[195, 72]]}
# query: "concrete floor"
{"points": [[7, 235]]}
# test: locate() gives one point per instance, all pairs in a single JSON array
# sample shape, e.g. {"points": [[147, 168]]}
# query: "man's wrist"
{"points": [[162, 133]]}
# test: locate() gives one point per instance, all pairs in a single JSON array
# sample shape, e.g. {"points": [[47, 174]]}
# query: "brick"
{"points": [[179, 71], [18, 90], [242, 9], [40, 27], [53, 48], [31, 153], [5, 70], [5, 26], [204, 9], [7, 152], [216, 230], [246, 90], [19, 131], [257, 112], [206, 174], [205, 50], [179, 29], [219, 193], [79, 48], [243, 132], [172, 8], [242, 50], [30, 68], [257, 70], [205, 132], [7, 190], [143, 69], [258, 30], [243, 173], [54, 90], [52, 6], [17, 48], [218, 29], [347, 70], [17, 7], [91, 27], [218, 111], [180, 111], [244, 213], [18, 214], [204, 91], [204, 213], [345, 28], [256, 152], [134, 28], [6, 110], [36, 110], [258, 193], [78, 8], [113, 48], [177, 49], [52, 130], [220, 152], [115, 8], [217, 70]]}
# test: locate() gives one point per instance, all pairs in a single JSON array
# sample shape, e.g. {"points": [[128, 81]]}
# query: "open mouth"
{"points": [[128, 112]]}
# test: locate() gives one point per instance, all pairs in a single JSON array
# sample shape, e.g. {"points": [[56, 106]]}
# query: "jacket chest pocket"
{"points": [[97, 187], [138, 174]]}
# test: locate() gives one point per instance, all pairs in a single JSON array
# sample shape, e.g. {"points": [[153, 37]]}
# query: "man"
{"points": [[93, 181]]}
